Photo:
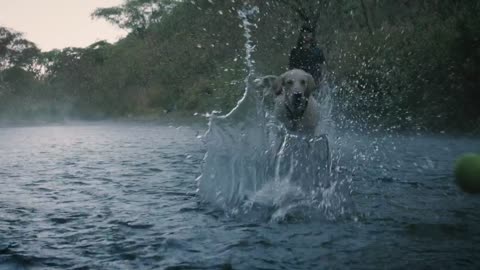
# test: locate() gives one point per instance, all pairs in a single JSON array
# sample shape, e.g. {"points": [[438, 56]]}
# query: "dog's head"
{"points": [[296, 85], [265, 85]]}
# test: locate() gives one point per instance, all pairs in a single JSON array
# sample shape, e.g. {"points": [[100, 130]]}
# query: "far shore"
{"points": [[171, 118]]}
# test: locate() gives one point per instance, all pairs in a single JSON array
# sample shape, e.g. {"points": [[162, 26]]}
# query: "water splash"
{"points": [[325, 99], [254, 166], [245, 15]]}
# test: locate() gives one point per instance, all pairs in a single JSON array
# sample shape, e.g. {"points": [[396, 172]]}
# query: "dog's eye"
{"points": [[302, 82], [289, 82]]}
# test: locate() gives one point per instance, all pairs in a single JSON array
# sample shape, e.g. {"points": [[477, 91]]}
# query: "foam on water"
{"points": [[253, 165]]}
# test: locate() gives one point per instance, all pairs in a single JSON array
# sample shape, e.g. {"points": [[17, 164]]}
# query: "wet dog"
{"points": [[290, 96], [299, 151]]}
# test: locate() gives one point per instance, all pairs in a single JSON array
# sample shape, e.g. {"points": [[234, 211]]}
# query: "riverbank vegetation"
{"points": [[403, 65]]}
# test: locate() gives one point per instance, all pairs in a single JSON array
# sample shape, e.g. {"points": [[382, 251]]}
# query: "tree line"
{"points": [[395, 64]]}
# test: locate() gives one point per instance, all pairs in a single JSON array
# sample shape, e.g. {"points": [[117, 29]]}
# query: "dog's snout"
{"points": [[297, 95]]}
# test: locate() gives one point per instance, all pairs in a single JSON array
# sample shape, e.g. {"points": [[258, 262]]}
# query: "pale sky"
{"points": [[59, 23]]}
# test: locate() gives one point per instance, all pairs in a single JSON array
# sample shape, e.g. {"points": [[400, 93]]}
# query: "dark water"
{"points": [[122, 196]]}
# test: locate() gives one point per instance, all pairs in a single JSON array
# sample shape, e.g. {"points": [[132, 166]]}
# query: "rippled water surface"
{"points": [[123, 196]]}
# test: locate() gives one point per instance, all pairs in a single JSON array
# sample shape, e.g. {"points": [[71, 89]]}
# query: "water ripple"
{"points": [[119, 196]]}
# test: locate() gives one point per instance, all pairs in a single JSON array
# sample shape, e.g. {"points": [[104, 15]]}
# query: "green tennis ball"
{"points": [[467, 173]]}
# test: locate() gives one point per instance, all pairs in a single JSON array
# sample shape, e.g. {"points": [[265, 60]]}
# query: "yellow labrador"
{"points": [[293, 103]]}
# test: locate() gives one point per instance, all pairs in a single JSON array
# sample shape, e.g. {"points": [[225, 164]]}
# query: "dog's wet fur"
{"points": [[290, 98]]}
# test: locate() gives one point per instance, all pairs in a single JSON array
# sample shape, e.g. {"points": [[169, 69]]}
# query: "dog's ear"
{"points": [[269, 80], [265, 81], [311, 85], [277, 86]]}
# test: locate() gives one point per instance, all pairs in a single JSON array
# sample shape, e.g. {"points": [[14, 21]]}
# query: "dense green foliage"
{"points": [[395, 64]]}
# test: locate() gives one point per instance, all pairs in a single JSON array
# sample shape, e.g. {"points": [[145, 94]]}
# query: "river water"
{"points": [[124, 196]]}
